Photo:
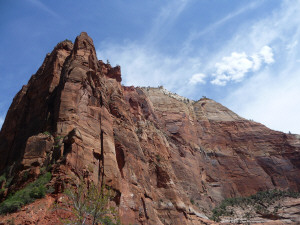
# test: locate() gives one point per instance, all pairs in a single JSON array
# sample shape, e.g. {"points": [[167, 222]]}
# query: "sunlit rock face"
{"points": [[170, 160]]}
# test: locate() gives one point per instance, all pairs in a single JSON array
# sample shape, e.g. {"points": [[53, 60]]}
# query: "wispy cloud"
{"points": [[146, 66], [143, 64], [292, 45], [45, 8], [198, 34], [165, 19]]}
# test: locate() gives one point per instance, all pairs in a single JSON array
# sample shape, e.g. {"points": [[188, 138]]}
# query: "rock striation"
{"points": [[169, 159]]}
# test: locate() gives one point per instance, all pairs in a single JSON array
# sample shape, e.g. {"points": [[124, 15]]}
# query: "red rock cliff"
{"points": [[159, 151]]}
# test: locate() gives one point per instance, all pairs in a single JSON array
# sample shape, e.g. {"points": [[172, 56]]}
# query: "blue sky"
{"points": [[243, 54]]}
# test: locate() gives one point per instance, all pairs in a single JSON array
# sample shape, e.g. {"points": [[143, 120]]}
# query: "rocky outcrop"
{"points": [[284, 211], [170, 160]]}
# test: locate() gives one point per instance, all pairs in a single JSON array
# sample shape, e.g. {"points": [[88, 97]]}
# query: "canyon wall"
{"points": [[169, 159]]}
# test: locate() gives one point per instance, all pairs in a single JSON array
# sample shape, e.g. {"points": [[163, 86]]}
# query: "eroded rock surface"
{"points": [[169, 159]]}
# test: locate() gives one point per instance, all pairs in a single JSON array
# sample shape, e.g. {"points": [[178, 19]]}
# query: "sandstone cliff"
{"points": [[169, 159]]}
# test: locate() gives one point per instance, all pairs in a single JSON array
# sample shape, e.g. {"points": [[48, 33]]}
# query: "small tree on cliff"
{"points": [[89, 204]]}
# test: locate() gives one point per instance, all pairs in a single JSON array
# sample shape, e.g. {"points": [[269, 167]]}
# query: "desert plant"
{"points": [[47, 133], [25, 175], [158, 158], [2, 179], [8, 181], [192, 201], [89, 204], [26, 195]]}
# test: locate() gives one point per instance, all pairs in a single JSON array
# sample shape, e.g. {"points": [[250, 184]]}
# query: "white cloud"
{"points": [[267, 54], [237, 65], [256, 59], [232, 68], [197, 78]]}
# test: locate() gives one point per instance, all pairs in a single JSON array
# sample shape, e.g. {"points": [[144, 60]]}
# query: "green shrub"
{"points": [[11, 206], [192, 201], [47, 133], [108, 221], [2, 181], [27, 195], [158, 158], [8, 182], [38, 192], [25, 175], [57, 138], [89, 202], [2, 178]]}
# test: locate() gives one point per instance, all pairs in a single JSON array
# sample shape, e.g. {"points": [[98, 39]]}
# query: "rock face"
{"points": [[170, 160]]}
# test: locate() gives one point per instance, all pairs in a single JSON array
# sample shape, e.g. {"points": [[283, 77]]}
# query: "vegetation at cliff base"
{"points": [[89, 204], [2, 178], [259, 202], [31, 192]]}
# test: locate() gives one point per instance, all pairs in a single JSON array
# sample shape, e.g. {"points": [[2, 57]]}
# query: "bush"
{"points": [[31, 192], [38, 192], [2, 178], [8, 182], [47, 133], [89, 202]]}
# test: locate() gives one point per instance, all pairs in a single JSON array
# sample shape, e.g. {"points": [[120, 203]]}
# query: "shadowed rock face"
{"points": [[169, 159]]}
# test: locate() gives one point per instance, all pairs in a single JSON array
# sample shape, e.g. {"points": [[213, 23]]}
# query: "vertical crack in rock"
{"points": [[120, 158], [145, 209], [101, 100], [101, 161], [76, 163]]}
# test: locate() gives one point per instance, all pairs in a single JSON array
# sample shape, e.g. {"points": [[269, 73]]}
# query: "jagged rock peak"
{"points": [[66, 45], [85, 42]]}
